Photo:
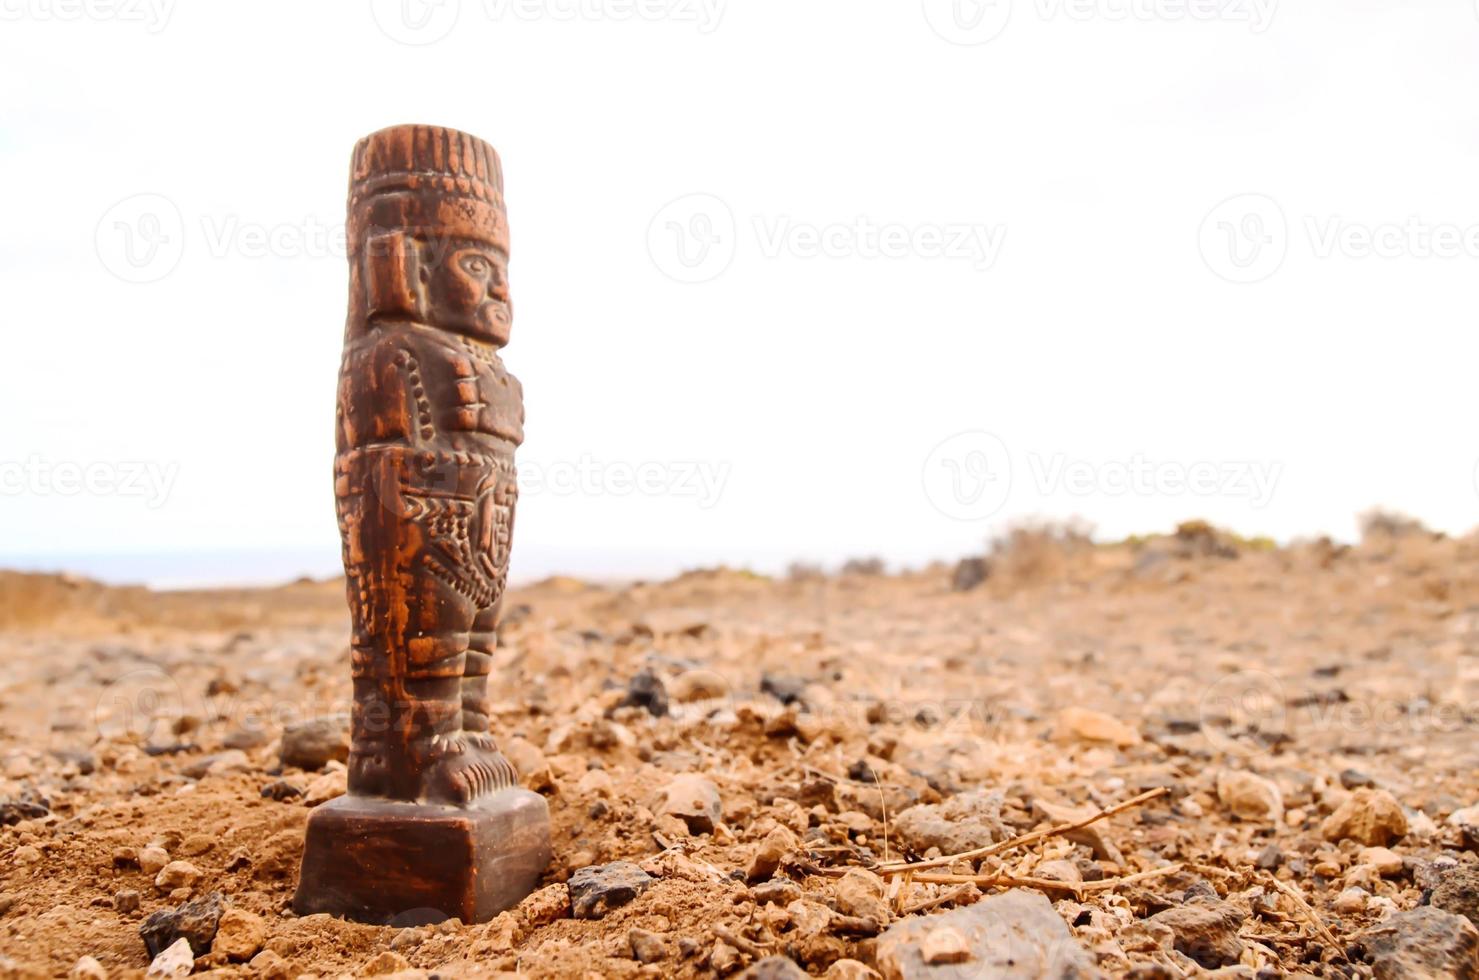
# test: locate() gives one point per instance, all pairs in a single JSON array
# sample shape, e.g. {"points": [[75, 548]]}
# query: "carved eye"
{"points": [[477, 266]]}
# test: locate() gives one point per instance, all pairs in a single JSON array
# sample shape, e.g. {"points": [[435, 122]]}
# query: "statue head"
{"points": [[428, 237]]}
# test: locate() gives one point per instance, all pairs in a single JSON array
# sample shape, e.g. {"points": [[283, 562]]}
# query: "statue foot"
{"points": [[463, 768]]}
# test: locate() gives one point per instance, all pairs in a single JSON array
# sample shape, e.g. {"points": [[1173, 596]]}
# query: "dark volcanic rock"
{"points": [[194, 921], [1458, 893], [25, 807], [1205, 930], [1424, 943], [646, 690], [969, 573], [598, 889], [784, 688]]}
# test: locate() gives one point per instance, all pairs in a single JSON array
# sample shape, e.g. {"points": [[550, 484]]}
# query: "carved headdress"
{"points": [[416, 194]]}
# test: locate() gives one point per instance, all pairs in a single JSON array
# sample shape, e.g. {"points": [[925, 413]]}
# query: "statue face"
{"points": [[467, 291]]}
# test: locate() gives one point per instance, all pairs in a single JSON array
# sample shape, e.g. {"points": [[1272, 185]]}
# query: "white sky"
{"points": [[1063, 289]]}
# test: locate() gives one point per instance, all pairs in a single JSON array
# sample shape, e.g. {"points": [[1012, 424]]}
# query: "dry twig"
{"points": [[1024, 839], [1306, 911]]}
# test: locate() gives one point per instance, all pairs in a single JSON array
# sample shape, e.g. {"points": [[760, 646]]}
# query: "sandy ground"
{"points": [[1260, 690]]}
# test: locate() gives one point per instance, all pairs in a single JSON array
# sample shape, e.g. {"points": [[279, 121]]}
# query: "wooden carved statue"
{"points": [[435, 824]]}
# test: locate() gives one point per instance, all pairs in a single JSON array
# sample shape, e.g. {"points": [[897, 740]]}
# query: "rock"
{"points": [[860, 893], [779, 891], [195, 922], [1423, 944], [270, 966], [1250, 797], [503, 933], [961, 823], [944, 945], [240, 935], [783, 687], [769, 854], [384, 964], [152, 859], [281, 790], [177, 874], [1012, 936], [694, 800], [1270, 857], [246, 738], [1458, 892], [1350, 901], [1355, 779], [1383, 861], [127, 900], [1094, 836], [88, 968], [646, 946], [598, 889], [326, 787], [969, 573], [1467, 817], [1204, 929], [1059, 870], [175, 961], [698, 685], [851, 970], [408, 938], [530, 762], [27, 854], [809, 918], [313, 744], [232, 760], [279, 855], [774, 968], [549, 904], [197, 844], [646, 690], [1082, 724], [85, 761], [13, 811], [1368, 816]]}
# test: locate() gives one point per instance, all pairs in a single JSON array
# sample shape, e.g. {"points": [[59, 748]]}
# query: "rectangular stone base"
{"points": [[383, 861]]}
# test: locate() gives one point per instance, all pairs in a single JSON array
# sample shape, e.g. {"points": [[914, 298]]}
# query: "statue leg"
{"points": [[434, 825]]}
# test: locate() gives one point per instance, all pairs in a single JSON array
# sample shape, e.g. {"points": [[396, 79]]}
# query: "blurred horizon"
{"points": [[257, 568]]}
